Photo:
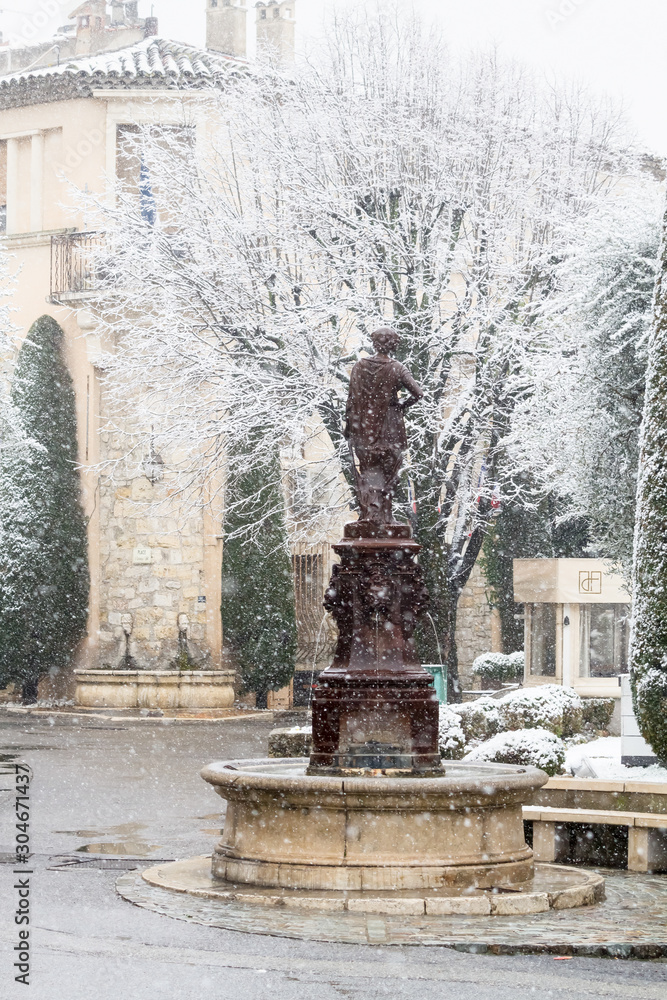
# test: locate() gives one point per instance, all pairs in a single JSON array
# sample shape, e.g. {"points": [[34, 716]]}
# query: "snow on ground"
{"points": [[604, 757]]}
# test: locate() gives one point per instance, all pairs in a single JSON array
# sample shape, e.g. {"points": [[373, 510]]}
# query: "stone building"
{"points": [[477, 626], [155, 576], [64, 110]]}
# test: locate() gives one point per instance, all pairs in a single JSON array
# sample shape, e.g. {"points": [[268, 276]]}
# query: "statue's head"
{"points": [[385, 340]]}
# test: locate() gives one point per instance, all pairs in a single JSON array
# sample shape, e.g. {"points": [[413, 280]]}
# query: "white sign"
{"points": [[142, 555]]}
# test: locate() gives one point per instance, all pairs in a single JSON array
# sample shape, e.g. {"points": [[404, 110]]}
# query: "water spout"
{"points": [[312, 672], [435, 633]]}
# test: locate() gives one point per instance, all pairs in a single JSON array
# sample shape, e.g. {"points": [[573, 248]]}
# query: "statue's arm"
{"points": [[414, 388]]}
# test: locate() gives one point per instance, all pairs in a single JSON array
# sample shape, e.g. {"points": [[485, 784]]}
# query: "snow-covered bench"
{"points": [[647, 833]]}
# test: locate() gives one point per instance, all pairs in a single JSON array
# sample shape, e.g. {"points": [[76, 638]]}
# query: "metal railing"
{"points": [[75, 270]]}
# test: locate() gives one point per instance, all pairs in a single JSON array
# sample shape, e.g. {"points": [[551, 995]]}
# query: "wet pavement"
{"points": [[108, 792]]}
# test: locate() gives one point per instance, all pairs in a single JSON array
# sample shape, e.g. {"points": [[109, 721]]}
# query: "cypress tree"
{"points": [[43, 563], [649, 630], [258, 613]]}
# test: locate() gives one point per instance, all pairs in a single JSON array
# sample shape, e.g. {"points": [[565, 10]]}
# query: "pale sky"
{"points": [[617, 46]]}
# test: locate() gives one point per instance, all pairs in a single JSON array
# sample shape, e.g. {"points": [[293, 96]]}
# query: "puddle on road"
{"points": [[128, 843], [212, 831], [133, 848]]}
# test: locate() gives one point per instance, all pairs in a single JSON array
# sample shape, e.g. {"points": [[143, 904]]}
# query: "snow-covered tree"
{"points": [[577, 428], [389, 185], [649, 627], [43, 550]]}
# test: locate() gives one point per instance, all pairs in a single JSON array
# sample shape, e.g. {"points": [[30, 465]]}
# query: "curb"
{"points": [[163, 719]]}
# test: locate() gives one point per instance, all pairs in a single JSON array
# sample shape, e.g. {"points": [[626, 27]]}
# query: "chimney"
{"points": [[117, 12], [275, 30], [226, 27], [90, 25], [150, 27], [132, 10]]}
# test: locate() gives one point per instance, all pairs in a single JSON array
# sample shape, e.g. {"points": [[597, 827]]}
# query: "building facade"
{"points": [[577, 624], [155, 570], [155, 566]]}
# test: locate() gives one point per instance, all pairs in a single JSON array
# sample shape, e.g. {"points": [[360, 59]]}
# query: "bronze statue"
{"points": [[374, 708], [375, 428]]}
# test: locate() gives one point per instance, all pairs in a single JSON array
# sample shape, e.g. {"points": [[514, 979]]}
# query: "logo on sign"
{"points": [[590, 581]]}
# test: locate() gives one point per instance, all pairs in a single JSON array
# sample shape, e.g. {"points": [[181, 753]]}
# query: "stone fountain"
{"points": [[373, 819]]}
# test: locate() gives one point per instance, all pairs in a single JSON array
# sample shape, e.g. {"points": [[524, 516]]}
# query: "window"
{"points": [[262, 14], [315, 633], [138, 167], [542, 639], [276, 12], [604, 634]]}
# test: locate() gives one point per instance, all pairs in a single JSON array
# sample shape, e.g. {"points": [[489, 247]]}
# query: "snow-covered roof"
{"points": [[152, 63]]}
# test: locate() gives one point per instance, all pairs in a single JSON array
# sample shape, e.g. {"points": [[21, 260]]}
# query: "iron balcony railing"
{"points": [[75, 269]]}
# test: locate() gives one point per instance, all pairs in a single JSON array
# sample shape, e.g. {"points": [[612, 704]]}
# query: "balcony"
{"points": [[75, 268]]}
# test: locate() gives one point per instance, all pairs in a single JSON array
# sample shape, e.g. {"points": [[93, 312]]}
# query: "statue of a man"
{"points": [[375, 428]]}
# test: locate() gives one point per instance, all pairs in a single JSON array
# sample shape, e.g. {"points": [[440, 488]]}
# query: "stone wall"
{"points": [[477, 627], [159, 565], [151, 570]]}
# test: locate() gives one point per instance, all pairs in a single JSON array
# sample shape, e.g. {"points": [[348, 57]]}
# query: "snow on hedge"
{"points": [[498, 666], [479, 719], [546, 708], [451, 737], [549, 706], [529, 747]]}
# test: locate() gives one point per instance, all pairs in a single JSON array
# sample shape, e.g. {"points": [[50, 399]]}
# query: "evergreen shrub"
{"points": [[548, 706], [597, 712], [479, 719], [499, 667], [528, 747], [648, 670], [258, 613], [44, 578], [451, 737]]}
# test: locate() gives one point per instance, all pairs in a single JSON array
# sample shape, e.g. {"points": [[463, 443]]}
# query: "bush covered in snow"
{"points": [[498, 666], [597, 712], [649, 631], [479, 719], [509, 725], [451, 737], [549, 706], [529, 747], [518, 662]]}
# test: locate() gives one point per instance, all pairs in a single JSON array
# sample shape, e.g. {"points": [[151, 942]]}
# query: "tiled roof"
{"points": [[152, 63]]}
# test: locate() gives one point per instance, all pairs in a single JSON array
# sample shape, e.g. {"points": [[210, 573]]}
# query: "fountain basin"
{"points": [[155, 688], [287, 829]]}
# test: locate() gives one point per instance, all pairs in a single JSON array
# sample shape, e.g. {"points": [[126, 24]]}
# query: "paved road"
{"points": [[134, 788]]}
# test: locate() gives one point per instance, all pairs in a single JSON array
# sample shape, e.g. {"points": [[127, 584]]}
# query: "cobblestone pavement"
{"points": [[631, 922]]}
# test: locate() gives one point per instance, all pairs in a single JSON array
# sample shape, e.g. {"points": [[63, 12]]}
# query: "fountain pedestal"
{"points": [[375, 708]]}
